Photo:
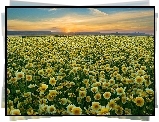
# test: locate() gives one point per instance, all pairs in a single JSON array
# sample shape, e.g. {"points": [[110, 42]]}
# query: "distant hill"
{"points": [[40, 33], [29, 33]]}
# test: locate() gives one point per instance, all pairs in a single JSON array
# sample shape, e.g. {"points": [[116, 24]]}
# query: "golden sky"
{"points": [[77, 21]]}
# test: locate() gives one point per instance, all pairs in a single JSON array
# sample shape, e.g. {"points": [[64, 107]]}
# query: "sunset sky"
{"points": [[81, 19]]}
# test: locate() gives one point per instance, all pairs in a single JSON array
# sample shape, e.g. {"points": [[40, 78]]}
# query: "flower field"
{"points": [[80, 75]]}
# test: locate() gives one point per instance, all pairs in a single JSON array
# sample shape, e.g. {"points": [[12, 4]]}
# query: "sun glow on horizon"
{"points": [[68, 31]]}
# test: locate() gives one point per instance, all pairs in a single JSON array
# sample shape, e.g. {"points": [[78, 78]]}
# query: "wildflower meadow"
{"points": [[80, 75]]}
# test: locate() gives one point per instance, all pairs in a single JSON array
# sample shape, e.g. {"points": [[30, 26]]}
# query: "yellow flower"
{"points": [[30, 64], [43, 107], [112, 81], [112, 90], [147, 83], [139, 101], [28, 94], [149, 91], [85, 81], [94, 89], [93, 80], [137, 65], [112, 104], [104, 111], [107, 95], [107, 69], [105, 85], [143, 94], [71, 95], [95, 106], [123, 57], [83, 89], [124, 69], [149, 100], [127, 111], [120, 91], [52, 81], [49, 70], [124, 100], [96, 84], [102, 80], [62, 70], [130, 81], [143, 67], [63, 101], [115, 68], [87, 85], [124, 80], [14, 64], [68, 85], [146, 77], [59, 77], [53, 92], [118, 110], [133, 75], [41, 72], [79, 100], [86, 71], [51, 109], [65, 112], [13, 80], [118, 77], [82, 94], [72, 83], [74, 70], [107, 65], [8, 74], [140, 72], [43, 101], [28, 77], [102, 72], [97, 96], [69, 108], [139, 80], [30, 111], [50, 97], [19, 104], [15, 112], [19, 75], [8, 111], [88, 99], [76, 111], [32, 85], [43, 87], [115, 74], [8, 91], [91, 77], [16, 100]]}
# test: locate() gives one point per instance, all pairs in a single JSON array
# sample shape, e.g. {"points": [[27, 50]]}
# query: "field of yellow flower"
{"points": [[80, 75]]}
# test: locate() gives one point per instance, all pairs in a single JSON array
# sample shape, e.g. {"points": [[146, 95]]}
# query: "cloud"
{"points": [[55, 29], [97, 12], [47, 9], [53, 9], [128, 21], [42, 8]]}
